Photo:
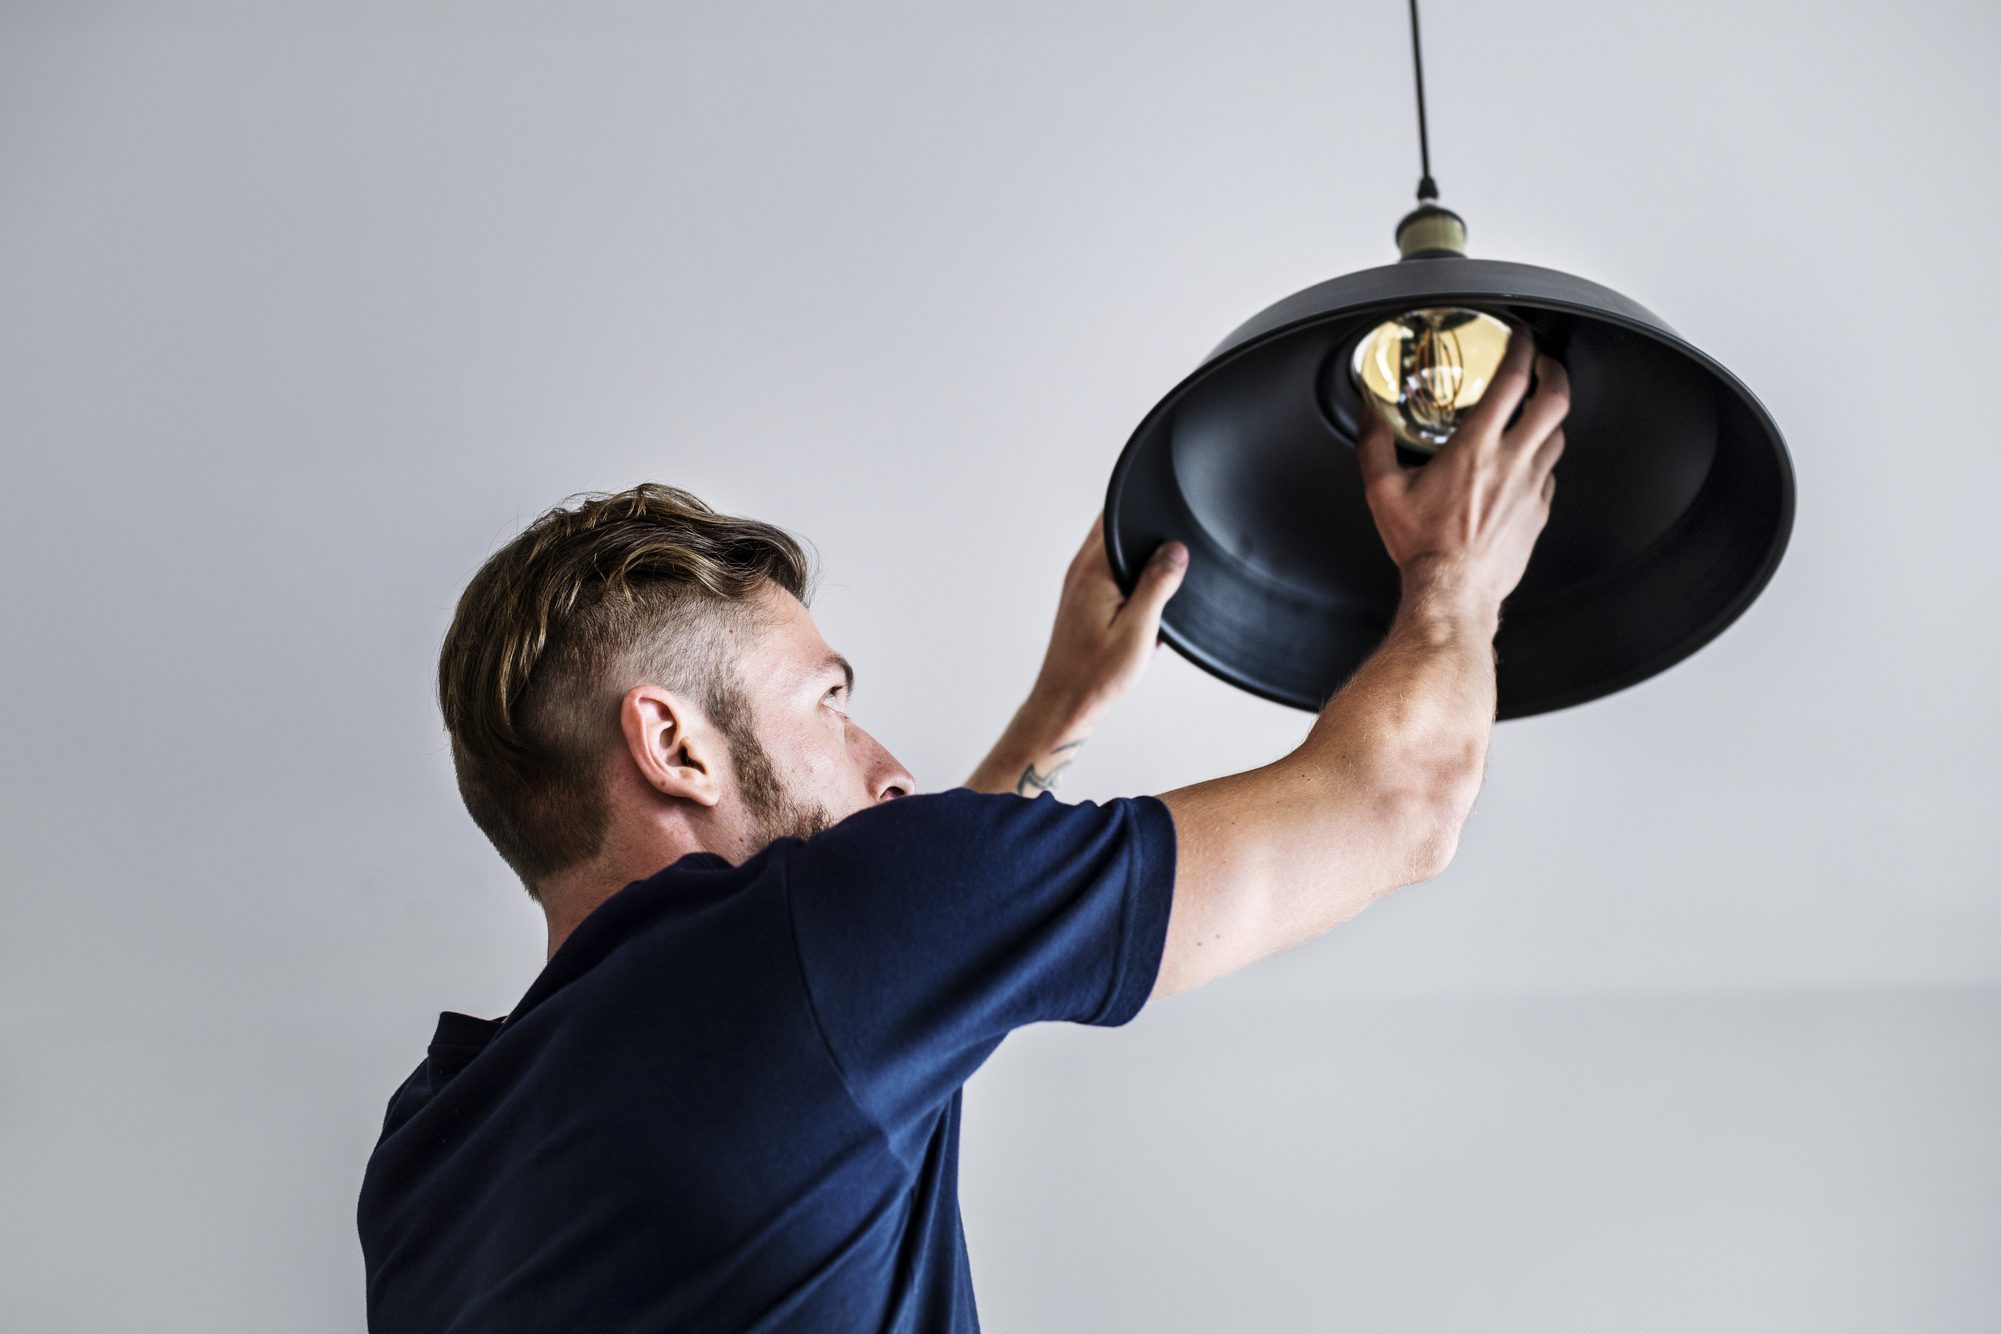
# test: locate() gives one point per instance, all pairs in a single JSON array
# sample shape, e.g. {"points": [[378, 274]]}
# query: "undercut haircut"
{"points": [[648, 585]]}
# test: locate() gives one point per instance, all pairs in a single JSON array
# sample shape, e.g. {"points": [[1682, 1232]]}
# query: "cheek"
{"points": [[823, 753], [823, 748]]}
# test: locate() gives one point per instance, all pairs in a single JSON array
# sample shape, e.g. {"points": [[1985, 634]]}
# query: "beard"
{"points": [[775, 811]]}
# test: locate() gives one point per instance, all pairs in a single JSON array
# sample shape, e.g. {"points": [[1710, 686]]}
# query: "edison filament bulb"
{"points": [[1426, 369]]}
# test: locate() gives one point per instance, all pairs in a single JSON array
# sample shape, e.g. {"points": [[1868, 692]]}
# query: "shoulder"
{"points": [[958, 817], [959, 828]]}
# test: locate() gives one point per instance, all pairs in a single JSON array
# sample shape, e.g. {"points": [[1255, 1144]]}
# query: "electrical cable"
{"points": [[1427, 189]]}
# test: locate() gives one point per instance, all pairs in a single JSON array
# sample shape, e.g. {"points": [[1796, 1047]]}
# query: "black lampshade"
{"points": [[1674, 494]]}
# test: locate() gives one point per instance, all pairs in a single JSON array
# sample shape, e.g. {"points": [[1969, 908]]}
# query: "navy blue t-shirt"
{"points": [[731, 1099]]}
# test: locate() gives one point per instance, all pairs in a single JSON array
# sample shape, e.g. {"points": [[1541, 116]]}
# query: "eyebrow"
{"points": [[847, 669]]}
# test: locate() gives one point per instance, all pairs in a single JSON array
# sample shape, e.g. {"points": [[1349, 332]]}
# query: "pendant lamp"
{"points": [[1674, 505]]}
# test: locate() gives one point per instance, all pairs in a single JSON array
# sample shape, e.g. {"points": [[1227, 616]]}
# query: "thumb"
{"points": [[1373, 448], [1157, 583]]}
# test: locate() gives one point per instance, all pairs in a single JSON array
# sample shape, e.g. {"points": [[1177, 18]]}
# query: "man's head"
{"points": [[639, 676]]}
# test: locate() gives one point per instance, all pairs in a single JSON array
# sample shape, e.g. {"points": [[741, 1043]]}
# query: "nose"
{"points": [[887, 779], [894, 782]]}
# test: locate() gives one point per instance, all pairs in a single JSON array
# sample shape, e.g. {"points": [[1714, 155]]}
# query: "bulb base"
{"points": [[1429, 231]]}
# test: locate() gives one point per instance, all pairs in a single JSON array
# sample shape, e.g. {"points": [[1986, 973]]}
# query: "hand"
{"points": [[1102, 643], [1473, 512], [1103, 640]]}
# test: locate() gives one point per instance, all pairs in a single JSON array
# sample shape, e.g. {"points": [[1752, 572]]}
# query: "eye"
{"points": [[832, 696]]}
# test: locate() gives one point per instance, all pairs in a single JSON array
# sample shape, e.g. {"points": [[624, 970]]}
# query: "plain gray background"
{"points": [[305, 309]]}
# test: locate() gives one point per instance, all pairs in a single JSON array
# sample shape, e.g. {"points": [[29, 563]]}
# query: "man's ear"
{"points": [[673, 745]]}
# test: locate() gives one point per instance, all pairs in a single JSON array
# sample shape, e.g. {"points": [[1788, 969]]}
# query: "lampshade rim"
{"points": [[1471, 282]]}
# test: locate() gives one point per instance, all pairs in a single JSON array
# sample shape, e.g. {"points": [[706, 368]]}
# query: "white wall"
{"points": [[305, 308]]}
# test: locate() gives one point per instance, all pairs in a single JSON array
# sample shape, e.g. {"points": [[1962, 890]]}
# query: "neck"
{"points": [[571, 896], [565, 911]]}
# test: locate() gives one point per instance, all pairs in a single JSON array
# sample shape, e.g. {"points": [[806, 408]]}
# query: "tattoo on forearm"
{"points": [[1032, 783]]}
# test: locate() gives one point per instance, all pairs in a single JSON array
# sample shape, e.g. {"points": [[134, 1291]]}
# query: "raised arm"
{"points": [[1376, 795], [1100, 647]]}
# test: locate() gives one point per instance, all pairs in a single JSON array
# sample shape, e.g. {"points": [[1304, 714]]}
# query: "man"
{"points": [[730, 1100]]}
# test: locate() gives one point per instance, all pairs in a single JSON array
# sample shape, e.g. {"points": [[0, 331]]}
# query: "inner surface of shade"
{"points": [[1669, 493]]}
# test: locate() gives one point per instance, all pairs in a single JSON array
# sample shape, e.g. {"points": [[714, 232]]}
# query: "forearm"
{"points": [[1041, 740], [1376, 795], [1416, 718]]}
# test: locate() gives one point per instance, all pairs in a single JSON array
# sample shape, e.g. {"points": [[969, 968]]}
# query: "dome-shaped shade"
{"points": [[1674, 494]]}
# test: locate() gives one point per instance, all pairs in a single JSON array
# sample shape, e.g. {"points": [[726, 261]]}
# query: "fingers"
{"points": [[1549, 405], [1092, 553], [1095, 539], [1376, 451], [1546, 455], [1504, 392]]}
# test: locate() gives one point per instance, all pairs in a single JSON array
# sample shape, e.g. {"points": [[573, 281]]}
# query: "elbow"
{"points": [[1433, 824], [1427, 795], [1433, 848]]}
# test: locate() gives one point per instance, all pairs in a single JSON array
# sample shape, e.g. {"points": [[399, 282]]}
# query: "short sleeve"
{"points": [[931, 926]]}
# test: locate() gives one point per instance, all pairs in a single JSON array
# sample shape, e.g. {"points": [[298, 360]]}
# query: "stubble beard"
{"points": [[775, 811]]}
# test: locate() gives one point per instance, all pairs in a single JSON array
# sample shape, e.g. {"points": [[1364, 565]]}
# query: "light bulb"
{"points": [[1426, 369]]}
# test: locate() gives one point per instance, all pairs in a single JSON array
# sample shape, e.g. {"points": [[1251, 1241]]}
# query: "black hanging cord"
{"points": [[1427, 189]]}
